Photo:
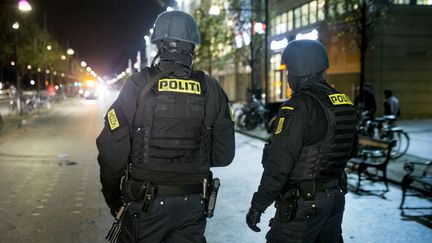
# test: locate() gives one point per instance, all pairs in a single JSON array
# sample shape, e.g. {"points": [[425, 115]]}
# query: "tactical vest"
{"points": [[327, 159], [168, 128]]}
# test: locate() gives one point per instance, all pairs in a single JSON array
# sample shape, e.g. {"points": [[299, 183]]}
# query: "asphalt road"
{"points": [[49, 179]]}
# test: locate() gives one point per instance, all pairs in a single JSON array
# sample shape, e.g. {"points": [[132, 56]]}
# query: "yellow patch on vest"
{"points": [[179, 86], [280, 125], [340, 99], [287, 108], [112, 119]]}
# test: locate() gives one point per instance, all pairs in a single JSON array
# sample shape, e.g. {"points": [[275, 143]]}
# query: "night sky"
{"points": [[104, 33]]}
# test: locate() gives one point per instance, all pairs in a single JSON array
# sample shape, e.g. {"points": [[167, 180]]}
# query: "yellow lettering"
{"points": [[179, 86], [112, 119], [280, 125], [340, 99]]}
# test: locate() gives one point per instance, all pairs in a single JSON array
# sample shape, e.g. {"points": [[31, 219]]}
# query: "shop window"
{"points": [[321, 10], [297, 18], [424, 2], [305, 15], [290, 20], [313, 12]]}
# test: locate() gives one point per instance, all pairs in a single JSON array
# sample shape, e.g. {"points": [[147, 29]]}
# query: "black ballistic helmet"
{"points": [[175, 25], [305, 57]]}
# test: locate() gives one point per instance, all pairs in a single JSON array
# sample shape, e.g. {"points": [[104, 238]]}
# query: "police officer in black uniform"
{"points": [[168, 126], [315, 135]]}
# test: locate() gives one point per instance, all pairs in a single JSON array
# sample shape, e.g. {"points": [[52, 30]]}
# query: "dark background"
{"points": [[104, 33]]}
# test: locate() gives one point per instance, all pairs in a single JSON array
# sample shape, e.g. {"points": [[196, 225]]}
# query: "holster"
{"points": [[210, 192], [287, 205]]}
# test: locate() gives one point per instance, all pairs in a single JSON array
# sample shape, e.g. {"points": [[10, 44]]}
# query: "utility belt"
{"points": [[287, 203], [145, 192]]}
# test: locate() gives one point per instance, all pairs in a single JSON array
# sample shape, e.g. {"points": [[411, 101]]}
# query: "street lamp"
{"points": [[24, 6], [70, 51], [83, 64], [15, 26], [63, 57], [49, 47]]}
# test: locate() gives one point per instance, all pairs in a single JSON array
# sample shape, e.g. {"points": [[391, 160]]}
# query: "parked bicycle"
{"points": [[257, 113], [384, 128]]}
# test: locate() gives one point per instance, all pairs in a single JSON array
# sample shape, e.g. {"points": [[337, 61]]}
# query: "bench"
{"points": [[424, 178], [372, 154]]}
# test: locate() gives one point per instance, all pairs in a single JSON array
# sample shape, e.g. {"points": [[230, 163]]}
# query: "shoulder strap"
{"points": [[200, 75]]}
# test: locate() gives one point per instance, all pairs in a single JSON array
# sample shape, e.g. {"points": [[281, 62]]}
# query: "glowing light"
{"points": [[214, 10], [57, 87], [24, 6], [15, 26], [230, 23], [32, 82], [136, 65], [70, 51], [169, 9], [12, 63], [1, 85], [55, 73], [83, 64], [88, 69], [90, 83], [29, 67], [246, 38], [280, 44], [63, 57], [147, 38], [128, 70], [313, 35], [39, 70], [47, 71], [153, 53], [81, 91], [49, 47], [259, 28]]}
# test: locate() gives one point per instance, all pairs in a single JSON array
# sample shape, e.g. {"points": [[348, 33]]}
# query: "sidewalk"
{"points": [[420, 148]]}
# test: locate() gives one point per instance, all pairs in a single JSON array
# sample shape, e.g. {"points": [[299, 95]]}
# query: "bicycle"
{"points": [[384, 128]]}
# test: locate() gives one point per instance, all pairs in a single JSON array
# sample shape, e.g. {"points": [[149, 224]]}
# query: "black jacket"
{"points": [[304, 123], [114, 146]]}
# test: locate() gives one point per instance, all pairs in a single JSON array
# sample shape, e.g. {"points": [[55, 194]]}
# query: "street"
{"points": [[49, 178]]}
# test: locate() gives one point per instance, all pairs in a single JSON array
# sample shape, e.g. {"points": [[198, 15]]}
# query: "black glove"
{"points": [[115, 206], [252, 219]]}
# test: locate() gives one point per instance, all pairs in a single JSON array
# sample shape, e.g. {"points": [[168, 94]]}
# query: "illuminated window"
{"points": [[290, 20], [273, 26], [278, 24], [424, 2], [305, 15], [403, 1], [321, 15], [297, 18], [284, 22], [312, 12]]}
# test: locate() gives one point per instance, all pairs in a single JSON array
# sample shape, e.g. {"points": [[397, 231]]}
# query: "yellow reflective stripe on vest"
{"points": [[179, 86], [340, 99], [112, 119], [287, 108]]}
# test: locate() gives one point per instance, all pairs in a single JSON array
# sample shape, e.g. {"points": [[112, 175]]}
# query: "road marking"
{"points": [[36, 214], [40, 206], [78, 205]]}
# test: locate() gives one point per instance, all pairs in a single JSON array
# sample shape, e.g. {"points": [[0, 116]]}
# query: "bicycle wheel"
{"points": [[402, 143]]}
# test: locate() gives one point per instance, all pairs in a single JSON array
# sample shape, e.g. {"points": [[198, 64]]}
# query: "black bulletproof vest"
{"points": [[168, 129], [327, 159]]}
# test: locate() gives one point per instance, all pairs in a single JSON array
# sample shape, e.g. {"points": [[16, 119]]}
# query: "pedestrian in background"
{"points": [[304, 162], [368, 104], [391, 104], [168, 126]]}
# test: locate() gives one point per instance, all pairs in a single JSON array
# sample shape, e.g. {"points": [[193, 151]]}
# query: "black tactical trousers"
{"points": [[171, 219], [309, 225]]}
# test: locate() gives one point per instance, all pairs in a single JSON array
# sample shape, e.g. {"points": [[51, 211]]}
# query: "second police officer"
{"points": [[314, 137], [168, 126]]}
